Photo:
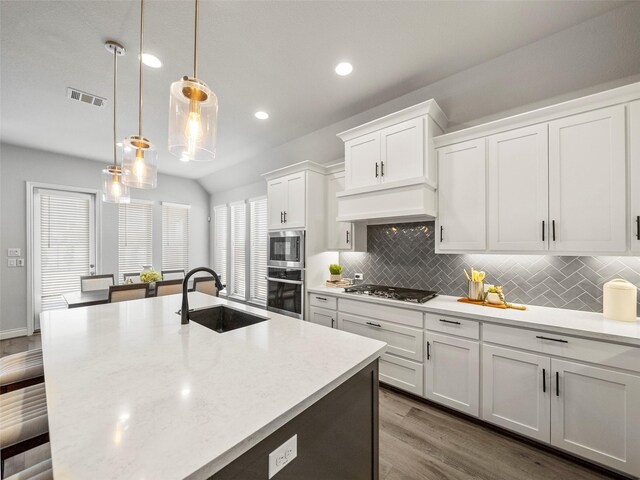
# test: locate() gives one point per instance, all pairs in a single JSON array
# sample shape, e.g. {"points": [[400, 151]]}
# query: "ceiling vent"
{"points": [[86, 98]]}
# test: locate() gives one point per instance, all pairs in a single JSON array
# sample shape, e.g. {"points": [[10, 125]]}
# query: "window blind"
{"points": [[258, 250], [175, 236], [220, 236], [238, 250], [134, 237], [65, 245]]}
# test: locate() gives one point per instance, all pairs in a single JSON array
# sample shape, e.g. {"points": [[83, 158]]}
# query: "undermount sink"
{"points": [[223, 319]]}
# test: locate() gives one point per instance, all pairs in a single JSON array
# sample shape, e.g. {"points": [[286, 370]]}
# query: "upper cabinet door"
{"points": [[634, 156], [276, 203], [461, 197], [296, 195], [402, 148], [587, 184], [518, 190], [362, 161]]}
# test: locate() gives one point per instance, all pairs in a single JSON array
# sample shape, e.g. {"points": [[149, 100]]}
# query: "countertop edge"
{"points": [[488, 318], [239, 449]]}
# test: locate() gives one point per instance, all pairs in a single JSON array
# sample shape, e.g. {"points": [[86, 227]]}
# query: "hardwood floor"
{"points": [[422, 442]]}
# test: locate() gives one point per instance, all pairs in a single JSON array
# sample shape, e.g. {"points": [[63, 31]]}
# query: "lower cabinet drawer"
{"points": [[403, 341], [594, 351], [322, 316], [323, 301], [452, 325], [401, 373], [410, 318]]}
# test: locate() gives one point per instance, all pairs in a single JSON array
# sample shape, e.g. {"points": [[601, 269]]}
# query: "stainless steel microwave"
{"points": [[286, 249]]}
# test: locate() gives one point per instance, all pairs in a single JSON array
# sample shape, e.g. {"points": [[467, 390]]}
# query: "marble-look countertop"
{"points": [[132, 393], [571, 322]]}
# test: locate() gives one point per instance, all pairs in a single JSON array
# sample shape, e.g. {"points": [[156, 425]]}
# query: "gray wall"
{"points": [[19, 165], [403, 255]]}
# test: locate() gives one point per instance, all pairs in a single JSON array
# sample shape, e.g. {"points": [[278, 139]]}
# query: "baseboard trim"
{"points": [[13, 333]]}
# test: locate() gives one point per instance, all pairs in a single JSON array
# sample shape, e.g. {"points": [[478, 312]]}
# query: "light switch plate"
{"points": [[11, 262], [20, 262], [283, 455], [13, 252], [358, 276]]}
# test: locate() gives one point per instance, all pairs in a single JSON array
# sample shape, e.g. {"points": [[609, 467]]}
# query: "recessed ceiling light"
{"points": [[151, 60], [261, 115], [344, 68]]}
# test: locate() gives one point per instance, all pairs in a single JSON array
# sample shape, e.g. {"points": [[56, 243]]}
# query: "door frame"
{"points": [[30, 192]]}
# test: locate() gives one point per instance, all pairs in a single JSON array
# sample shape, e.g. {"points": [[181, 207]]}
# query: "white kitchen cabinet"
{"points": [[342, 235], [587, 182], [402, 150], [401, 373], [286, 197], [452, 372], [634, 171], [322, 316], [518, 190], [461, 197], [362, 160], [595, 413], [516, 391]]}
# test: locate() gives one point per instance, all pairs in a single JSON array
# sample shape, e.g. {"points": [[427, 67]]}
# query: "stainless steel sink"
{"points": [[223, 319]]}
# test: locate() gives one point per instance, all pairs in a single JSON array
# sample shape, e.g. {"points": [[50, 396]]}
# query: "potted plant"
{"points": [[336, 272], [150, 276]]}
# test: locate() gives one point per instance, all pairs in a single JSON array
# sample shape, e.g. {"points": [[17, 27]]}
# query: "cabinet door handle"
{"points": [[376, 169], [381, 168], [428, 350], [374, 324], [281, 221], [333, 322], [544, 380], [543, 230], [285, 216], [441, 230], [557, 384], [638, 227], [450, 321], [347, 236], [321, 298], [553, 230], [559, 340]]}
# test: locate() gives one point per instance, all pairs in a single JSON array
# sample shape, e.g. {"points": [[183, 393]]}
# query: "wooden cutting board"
{"points": [[482, 304]]}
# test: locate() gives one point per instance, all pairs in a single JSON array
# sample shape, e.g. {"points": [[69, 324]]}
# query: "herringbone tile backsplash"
{"points": [[403, 255]]}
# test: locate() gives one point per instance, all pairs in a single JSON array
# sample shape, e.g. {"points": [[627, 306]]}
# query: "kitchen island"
{"points": [[132, 393]]}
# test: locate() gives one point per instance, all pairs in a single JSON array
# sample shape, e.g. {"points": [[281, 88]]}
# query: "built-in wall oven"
{"points": [[286, 249], [285, 291]]}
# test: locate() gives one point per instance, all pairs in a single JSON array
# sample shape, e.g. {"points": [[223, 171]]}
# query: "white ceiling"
{"points": [[267, 55]]}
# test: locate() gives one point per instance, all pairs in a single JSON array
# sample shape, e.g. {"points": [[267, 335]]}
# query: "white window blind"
{"points": [[238, 250], [134, 237], [65, 244], [220, 237], [258, 250], [175, 236]]}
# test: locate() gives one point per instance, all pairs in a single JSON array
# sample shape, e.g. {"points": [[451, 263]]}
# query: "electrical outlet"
{"points": [[358, 276], [20, 262], [283, 455], [11, 262], [13, 252]]}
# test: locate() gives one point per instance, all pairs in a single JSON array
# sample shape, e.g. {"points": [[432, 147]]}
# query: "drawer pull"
{"points": [[321, 298], [557, 384], [333, 323], [450, 321], [374, 324], [552, 339], [544, 380], [428, 350]]}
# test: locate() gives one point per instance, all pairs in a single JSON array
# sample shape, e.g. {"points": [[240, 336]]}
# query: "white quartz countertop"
{"points": [[571, 322], [132, 393]]}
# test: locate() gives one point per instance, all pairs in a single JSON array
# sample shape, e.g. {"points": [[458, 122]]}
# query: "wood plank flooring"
{"points": [[422, 442]]}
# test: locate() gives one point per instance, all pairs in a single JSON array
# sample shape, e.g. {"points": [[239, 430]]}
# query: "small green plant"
{"points": [[335, 269], [150, 276]]}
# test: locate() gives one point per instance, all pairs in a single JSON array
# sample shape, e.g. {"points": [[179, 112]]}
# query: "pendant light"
{"points": [[113, 190], [140, 158], [193, 113]]}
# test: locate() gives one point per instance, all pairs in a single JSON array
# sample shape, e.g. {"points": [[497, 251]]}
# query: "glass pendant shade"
{"points": [[193, 120], [139, 163], [113, 190]]}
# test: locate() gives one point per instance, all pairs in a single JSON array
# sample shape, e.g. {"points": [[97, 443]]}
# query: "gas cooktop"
{"points": [[382, 291]]}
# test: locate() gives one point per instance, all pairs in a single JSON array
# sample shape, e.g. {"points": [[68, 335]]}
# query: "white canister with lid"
{"points": [[620, 300]]}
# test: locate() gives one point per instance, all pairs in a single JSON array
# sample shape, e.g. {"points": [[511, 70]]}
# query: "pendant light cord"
{"points": [[140, 82], [195, 43], [115, 79]]}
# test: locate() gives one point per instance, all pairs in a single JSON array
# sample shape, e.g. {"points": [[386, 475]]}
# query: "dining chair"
{"points": [[90, 283], [172, 274], [205, 285], [135, 278], [122, 293], [168, 287]]}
